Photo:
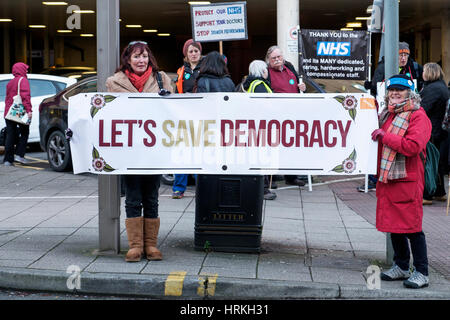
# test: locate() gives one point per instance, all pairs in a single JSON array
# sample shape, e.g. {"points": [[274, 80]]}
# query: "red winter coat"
{"points": [[18, 70], [399, 202]]}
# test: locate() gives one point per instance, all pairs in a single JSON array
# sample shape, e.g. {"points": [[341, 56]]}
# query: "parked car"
{"points": [[53, 122], [41, 86]]}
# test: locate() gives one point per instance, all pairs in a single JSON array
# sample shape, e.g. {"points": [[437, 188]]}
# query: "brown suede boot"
{"points": [[151, 229], [135, 233]]}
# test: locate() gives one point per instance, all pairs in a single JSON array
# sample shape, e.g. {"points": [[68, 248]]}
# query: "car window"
{"points": [[60, 86], [3, 84], [41, 87], [90, 86]]}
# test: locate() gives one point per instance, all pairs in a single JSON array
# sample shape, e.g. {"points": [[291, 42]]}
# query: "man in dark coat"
{"points": [[406, 64]]}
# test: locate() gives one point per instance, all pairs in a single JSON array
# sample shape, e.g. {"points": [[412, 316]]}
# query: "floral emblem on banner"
{"points": [[348, 165], [98, 163], [349, 103], [98, 101]]}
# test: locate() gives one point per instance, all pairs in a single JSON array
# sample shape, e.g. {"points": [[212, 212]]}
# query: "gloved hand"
{"points": [[378, 134], [367, 84]]}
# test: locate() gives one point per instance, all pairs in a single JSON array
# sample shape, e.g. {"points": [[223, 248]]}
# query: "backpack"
{"points": [[430, 165]]}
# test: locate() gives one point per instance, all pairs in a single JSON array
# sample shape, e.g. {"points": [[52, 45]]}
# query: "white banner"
{"points": [[223, 133], [219, 21]]}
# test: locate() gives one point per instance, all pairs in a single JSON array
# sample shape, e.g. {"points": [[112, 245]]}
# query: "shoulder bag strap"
{"points": [[18, 86], [159, 80]]}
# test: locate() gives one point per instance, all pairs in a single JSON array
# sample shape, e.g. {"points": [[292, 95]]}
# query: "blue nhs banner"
{"points": [[333, 48]]}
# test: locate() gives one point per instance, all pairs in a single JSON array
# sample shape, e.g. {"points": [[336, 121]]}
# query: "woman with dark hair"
{"points": [[434, 100], [138, 72], [214, 75]]}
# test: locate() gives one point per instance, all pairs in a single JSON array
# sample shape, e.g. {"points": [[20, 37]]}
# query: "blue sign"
{"points": [[330, 48], [234, 10]]}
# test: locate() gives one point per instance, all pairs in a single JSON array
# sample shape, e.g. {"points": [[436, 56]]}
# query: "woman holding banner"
{"points": [[139, 72], [187, 75], [404, 132]]}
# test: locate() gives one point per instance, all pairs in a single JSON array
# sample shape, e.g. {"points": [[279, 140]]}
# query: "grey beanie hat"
{"points": [[403, 47]]}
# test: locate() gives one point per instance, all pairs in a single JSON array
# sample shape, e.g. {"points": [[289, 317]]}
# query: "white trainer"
{"points": [[395, 273], [416, 281]]}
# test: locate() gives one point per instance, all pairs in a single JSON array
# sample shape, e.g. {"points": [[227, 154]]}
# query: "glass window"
{"points": [[86, 87], [60, 86], [3, 85], [41, 87]]}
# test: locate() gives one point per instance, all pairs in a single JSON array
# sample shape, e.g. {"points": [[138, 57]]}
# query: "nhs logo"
{"points": [[330, 48]]}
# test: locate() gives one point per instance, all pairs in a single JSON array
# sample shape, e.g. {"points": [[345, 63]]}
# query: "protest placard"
{"points": [[219, 21], [335, 54]]}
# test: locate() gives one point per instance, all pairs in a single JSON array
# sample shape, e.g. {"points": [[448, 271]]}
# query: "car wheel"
{"points": [[58, 152], [168, 179]]}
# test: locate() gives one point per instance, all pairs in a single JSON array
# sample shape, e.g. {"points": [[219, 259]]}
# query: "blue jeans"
{"points": [[180, 182]]}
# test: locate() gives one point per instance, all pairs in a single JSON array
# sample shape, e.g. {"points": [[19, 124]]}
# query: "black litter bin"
{"points": [[228, 213]]}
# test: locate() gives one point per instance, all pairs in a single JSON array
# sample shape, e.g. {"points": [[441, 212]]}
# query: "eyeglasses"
{"points": [[135, 42], [276, 58]]}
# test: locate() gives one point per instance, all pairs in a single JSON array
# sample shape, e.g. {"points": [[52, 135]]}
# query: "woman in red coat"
{"points": [[404, 132]]}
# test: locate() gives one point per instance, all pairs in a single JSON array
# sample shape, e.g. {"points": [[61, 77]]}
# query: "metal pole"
{"points": [[108, 46], [391, 37]]}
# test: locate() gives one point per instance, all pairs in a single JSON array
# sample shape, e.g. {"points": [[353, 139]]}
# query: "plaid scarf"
{"points": [[392, 164]]}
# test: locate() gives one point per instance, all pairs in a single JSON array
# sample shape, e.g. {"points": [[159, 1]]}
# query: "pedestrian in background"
{"points": [[214, 75], [257, 82], [404, 132], [17, 133], [434, 101], [187, 75], [138, 72]]}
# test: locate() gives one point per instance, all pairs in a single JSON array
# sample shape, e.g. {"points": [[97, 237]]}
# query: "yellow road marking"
{"points": [[211, 288], [174, 283], [28, 167], [36, 159]]}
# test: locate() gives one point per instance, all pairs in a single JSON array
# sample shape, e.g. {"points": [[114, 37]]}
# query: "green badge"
{"points": [[291, 81]]}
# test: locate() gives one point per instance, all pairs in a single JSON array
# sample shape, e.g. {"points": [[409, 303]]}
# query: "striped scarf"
{"points": [[392, 164]]}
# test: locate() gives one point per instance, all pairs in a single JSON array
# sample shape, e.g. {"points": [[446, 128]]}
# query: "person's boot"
{"points": [[135, 233], [151, 229]]}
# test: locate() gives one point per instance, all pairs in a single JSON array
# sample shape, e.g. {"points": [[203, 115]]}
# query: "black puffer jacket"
{"points": [[434, 100], [189, 76], [213, 83]]}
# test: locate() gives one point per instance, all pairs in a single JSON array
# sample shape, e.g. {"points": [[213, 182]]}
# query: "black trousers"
{"points": [[141, 195], [418, 249], [16, 140]]}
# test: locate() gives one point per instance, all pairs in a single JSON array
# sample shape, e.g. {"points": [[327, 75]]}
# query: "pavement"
{"points": [[319, 244]]}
